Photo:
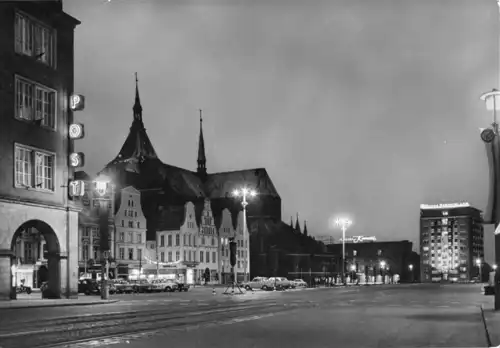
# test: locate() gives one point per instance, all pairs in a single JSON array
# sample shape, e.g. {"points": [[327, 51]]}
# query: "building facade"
{"points": [[377, 261], [36, 82], [89, 236], [130, 235], [451, 242]]}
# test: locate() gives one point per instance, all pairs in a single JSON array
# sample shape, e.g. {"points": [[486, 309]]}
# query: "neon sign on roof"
{"points": [[445, 205]]}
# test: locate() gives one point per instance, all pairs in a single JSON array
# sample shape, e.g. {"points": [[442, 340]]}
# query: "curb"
{"points": [[487, 333], [61, 305]]}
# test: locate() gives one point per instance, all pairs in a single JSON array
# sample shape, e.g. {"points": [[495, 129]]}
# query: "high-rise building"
{"points": [[36, 83], [451, 242]]}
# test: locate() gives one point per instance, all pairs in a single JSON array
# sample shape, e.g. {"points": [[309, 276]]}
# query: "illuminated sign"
{"points": [[101, 187], [445, 213], [77, 159], [77, 102], [76, 188], [445, 205], [359, 239], [76, 131]]}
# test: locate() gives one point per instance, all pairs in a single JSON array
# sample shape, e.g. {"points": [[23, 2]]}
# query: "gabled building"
{"points": [[166, 189]]}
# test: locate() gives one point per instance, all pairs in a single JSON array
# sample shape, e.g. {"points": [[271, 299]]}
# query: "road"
{"points": [[376, 316]]}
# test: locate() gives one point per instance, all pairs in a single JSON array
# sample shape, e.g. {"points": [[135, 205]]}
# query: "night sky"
{"points": [[364, 108]]}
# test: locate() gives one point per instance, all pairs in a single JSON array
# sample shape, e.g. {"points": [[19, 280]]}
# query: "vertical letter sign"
{"points": [[76, 188], [77, 102]]}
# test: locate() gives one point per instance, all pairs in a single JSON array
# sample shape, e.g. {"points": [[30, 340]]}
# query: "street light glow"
{"points": [[494, 267], [343, 222], [353, 268], [410, 267], [478, 261], [382, 264], [244, 192]]}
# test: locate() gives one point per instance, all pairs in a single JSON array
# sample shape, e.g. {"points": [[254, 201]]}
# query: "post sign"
{"points": [[77, 102], [77, 159], [76, 131], [76, 188]]}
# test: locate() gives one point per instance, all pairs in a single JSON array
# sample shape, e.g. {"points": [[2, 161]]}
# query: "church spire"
{"points": [[297, 224], [202, 160], [305, 228], [137, 104]]}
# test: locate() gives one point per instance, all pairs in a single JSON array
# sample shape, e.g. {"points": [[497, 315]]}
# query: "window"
{"points": [[177, 255], [123, 223], [162, 256], [131, 224], [214, 258], [135, 214], [125, 212], [95, 252], [189, 255], [28, 252], [139, 238], [177, 239], [201, 256], [184, 239], [208, 256], [34, 39], [85, 252], [34, 168], [169, 240], [122, 236], [35, 102], [213, 241], [130, 236], [202, 240], [184, 256], [139, 254], [189, 240], [130, 253], [162, 241], [122, 253], [169, 256], [138, 224]]}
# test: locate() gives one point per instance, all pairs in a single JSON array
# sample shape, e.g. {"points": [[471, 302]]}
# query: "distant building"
{"points": [[130, 235], [451, 242], [89, 252], [374, 260], [327, 240]]}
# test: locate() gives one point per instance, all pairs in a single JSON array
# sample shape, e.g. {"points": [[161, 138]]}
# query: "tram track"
{"points": [[132, 323]]}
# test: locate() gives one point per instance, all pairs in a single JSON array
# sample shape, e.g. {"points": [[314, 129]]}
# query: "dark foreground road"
{"points": [[390, 316]]}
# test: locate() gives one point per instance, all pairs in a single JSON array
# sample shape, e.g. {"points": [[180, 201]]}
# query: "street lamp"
{"points": [[353, 270], [492, 141], [343, 223], [410, 267], [382, 267], [102, 188], [478, 263], [494, 267], [244, 193]]}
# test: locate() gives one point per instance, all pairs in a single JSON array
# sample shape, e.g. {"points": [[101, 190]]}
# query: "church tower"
{"points": [[297, 225], [202, 160], [305, 228]]}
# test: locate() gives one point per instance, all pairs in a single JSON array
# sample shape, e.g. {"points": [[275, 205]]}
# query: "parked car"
{"points": [[169, 285], [157, 285], [280, 283], [182, 286], [256, 283], [123, 287], [300, 283], [88, 287], [141, 285]]}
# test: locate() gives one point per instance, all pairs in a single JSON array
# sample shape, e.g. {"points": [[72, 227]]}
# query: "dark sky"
{"points": [[359, 107]]}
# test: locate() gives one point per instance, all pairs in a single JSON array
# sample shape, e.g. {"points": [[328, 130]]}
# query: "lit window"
{"points": [[34, 39]]}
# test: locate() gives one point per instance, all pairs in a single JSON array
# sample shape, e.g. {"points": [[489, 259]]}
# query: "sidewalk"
{"points": [[36, 302], [492, 323]]}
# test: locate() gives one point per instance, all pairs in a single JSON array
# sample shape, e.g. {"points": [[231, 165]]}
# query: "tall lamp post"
{"points": [[102, 188], [343, 223], [382, 271], [479, 268], [244, 193], [492, 141], [410, 267]]}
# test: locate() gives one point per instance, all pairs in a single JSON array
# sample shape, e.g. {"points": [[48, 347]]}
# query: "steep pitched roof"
{"points": [[220, 185], [182, 181]]}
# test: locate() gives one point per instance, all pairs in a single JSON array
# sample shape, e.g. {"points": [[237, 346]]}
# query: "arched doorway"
{"points": [[36, 258]]}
